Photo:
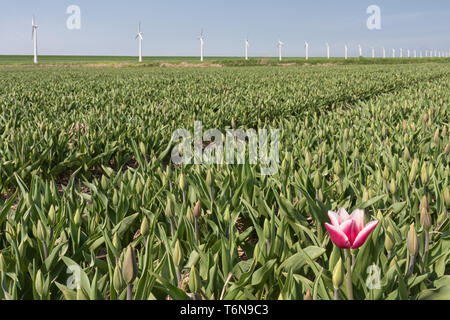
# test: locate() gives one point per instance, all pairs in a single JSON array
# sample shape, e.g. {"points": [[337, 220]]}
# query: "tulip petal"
{"points": [[334, 218], [343, 215], [362, 236], [338, 237], [349, 228], [358, 217]]}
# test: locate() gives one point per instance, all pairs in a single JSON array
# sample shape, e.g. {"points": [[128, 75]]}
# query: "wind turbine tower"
{"points": [[247, 45], [328, 50], [306, 50], [34, 28], [202, 45], [280, 46], [140, 38]]}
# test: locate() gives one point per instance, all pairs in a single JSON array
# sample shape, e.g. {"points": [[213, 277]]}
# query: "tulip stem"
{"points": [[130, 292], [196, 230], [349, 275], [411, 265]]}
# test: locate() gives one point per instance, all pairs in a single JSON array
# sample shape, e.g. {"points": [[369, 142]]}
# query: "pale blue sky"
{"points": [[171, 27]]}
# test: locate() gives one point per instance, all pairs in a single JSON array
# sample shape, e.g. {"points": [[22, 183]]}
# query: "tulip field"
{"points": [[92, 208]]}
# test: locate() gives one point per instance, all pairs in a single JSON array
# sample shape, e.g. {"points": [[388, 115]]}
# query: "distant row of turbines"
{"points": [[408, 53]]}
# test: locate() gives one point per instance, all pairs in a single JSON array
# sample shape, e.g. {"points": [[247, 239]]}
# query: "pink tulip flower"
{"points": [[348, 231]]}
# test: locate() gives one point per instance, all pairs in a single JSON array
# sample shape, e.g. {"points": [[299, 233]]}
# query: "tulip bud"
{"points": [[447, 197], [308, 295], [115, 198], [145, 228], [392, 187], [169, 207], [41, 233], [338, 274], [77, 217], [406, 154], [425, 219], [316, 182], [412, 241], [116, 242], [386, 173], [182, 183], [118, 282], [130, 269], [39, 283], [139, 187], [198, 210], [414, 169], [436, 136], [194, 280], [308, 159], [209, 178], [447, 149], [320, 195], [178, 254], [52, 215], [389, 241], [337, 168], [424, 174], [366, 195], [104, 183]]}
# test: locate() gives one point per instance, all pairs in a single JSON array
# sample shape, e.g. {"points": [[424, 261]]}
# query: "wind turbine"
{"points": [[393, 52], [202, 45], [34, 28], [373, 52], [328, 50], [401, 52], [360, 50], [409, 53], [280, 46], [384, 52], [247, 45], [346, 51], [139, 35], [415, 53], [306, 50]]}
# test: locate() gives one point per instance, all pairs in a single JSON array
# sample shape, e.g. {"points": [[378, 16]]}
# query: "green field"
{"points": [[226, 61], [85, 173]]}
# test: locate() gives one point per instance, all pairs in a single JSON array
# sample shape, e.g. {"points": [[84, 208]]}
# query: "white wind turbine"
{"points": [[360, 50], [384, 52], [409, 53], [140, 38], [34, 28], [401, 52], [346, 51], [328, 50], [202, 45], [247, 45], [415, 53], [280, 46], [306, 50], [373, 52], [393, 52]]}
